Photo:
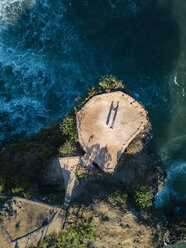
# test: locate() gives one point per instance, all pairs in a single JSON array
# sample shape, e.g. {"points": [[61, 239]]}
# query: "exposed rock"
{"points": [[144, 167]]}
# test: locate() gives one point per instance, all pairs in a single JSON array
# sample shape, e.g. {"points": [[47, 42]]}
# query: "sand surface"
{"points": [[107, 124]]}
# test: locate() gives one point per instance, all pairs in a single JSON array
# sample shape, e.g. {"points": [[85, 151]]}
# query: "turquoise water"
{"points": [[51, 52], [181, 245]]}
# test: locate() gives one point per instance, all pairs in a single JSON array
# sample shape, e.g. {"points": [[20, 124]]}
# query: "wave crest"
{"points": [[174, 189], [10, 10]]}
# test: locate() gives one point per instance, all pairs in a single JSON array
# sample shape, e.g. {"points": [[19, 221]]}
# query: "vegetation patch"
{"points": [[135, 146], [143, 196], [107, 84], [117, 198], [78, 235], [67, 149], [1, 184], [82, 172], [68, 126], [20, 185]]}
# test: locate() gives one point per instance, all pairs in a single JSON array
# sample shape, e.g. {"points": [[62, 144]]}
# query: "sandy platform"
{"points": [[107, 124]]}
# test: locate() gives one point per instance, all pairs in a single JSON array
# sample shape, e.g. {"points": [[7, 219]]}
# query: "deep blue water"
{"points": [[51, 52]]}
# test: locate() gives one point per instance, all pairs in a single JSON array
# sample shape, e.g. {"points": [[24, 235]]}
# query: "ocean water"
{"points": [[179, 245], [51, 52]]}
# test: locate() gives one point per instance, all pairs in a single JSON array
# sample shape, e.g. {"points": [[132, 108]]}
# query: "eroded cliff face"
{"points": [[143, 167]]}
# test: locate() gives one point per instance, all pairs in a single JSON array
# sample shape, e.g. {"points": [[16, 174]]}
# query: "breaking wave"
{"points": [[10, 10], [174, 189], [44, 63]]}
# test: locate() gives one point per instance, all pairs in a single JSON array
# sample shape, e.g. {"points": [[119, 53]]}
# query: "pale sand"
{"points": [[102, 144]]}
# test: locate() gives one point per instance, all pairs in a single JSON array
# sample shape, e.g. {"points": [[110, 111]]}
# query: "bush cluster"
{"points": [[67, 149], [68, 126], [1, 184], [118, 198], [135, 146], [107, 84], [143, 195], [77, 236], [20, 185]]}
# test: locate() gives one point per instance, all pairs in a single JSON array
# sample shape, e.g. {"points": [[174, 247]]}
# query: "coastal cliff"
{"points": [[118, 206]]}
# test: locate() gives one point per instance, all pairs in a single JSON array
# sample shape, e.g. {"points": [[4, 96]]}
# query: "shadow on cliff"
{"points": [[143, 168]]}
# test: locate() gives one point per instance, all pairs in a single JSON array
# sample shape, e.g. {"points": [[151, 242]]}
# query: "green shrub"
{"points": [[76, 236], [67, 149], [107, 84], [143, 196], [110, 82], [135, 146], [44, 245], [117, 198], [20, 186], [68, 126]]}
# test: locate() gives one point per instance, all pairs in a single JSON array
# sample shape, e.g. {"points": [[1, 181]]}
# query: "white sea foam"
{"points": [[21, 122], [176, 173], [10, 10], [183, 91], [39, 82], [175, 80]]}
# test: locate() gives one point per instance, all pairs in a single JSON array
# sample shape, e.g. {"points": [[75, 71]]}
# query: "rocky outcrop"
{"points": [[144, 167]]}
